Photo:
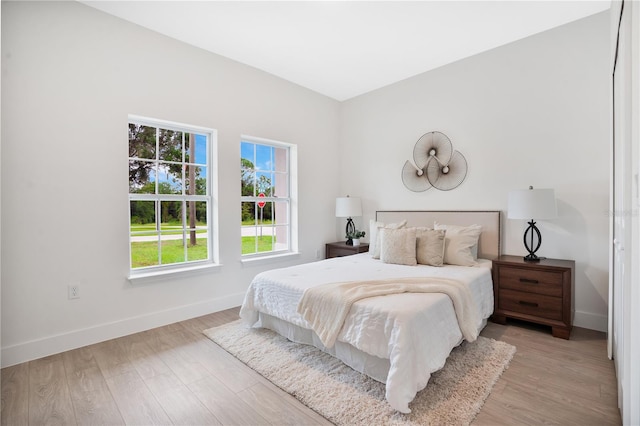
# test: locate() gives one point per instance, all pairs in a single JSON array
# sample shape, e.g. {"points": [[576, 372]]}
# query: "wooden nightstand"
{"points": [[339, 249], [540, 292]]}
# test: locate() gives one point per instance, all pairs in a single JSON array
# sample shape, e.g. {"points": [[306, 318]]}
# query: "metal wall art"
{"points": [[436, 165]]}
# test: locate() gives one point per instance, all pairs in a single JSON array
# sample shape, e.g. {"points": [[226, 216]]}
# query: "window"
{"points": [[268, 192], [170, 195]]}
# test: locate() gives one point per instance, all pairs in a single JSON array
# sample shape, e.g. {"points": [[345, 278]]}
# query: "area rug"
{"points": [[453, 396]]}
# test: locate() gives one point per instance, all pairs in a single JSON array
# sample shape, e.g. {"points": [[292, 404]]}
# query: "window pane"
{"points": [[248, 182], [281, 185], [281, 213], [198, 246], [143, 247], [200, 209], [144, 253], [142, 177], [264, 181], [248, 213], [142, 216], [199, 251], [249, 239], [169, 178], [247, 150], [265, 214], [265, 237], [264, 158], [192, 220], [172, 247], [247, 169], [199, 149], [199, 174], [170, 143], [142, 141], [171, 217], [281, 240], [280, 158]]}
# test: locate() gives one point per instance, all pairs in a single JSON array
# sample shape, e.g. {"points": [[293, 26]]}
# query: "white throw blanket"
{"points": [[325, 307]]}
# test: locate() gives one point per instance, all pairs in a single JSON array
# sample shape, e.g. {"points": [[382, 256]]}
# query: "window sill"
{"points": [[263, 260], [150, 276]]}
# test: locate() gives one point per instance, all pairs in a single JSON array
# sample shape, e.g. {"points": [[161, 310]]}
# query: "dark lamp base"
{"points": [[349, 230], [532, 231]]}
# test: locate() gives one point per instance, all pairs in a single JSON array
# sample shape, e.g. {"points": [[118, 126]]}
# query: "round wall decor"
{"points": [[437, 164]]}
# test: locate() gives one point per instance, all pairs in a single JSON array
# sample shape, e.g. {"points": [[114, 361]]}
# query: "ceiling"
{"points": [[346, 48]]}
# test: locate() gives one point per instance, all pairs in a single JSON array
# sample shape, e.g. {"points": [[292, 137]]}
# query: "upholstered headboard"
{"points": [[489, 242]]}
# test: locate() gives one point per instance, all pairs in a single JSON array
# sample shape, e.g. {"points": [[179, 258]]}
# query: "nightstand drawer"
{"points": [[339, 252], [339, 249], [532, 281], [531, 304]]}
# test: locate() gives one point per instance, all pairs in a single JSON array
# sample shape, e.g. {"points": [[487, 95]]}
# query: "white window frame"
{"points": [[292, 167], [151, 272]]}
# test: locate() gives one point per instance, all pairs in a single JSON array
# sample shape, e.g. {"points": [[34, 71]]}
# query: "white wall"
{"points": [[70, 77], [534, 112]]}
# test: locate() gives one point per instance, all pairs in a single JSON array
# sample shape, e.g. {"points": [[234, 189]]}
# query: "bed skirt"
{"points": [[375, 367]]}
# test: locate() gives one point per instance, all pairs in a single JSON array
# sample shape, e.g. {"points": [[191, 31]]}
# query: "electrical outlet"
{"points": [[318, 254], [73, 291]]}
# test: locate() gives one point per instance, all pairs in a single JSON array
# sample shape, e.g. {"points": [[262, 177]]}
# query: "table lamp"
{"points": [[348, 207], [532, 204]]}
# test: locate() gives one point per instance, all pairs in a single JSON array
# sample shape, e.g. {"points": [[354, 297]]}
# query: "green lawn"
{"points": [[249, 244], [146, 253]]}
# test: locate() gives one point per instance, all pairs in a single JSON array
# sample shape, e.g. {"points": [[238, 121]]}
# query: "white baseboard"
{"points": [[591, 321], [35, 349]]}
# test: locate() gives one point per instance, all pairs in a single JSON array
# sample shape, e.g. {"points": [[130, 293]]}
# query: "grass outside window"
{"points": [[145, 253], [265, 244]]}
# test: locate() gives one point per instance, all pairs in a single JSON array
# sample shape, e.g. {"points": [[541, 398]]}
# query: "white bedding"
{"points": [[415, 331]]}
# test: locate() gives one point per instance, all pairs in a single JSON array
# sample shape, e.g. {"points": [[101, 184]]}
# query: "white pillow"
{"points": [[459, 242], [398, 246], [430, 246], [474, 249], [374, 235]]}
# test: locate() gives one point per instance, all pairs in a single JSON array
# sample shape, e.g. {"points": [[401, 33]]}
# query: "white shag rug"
{"points": [[453, 396]]}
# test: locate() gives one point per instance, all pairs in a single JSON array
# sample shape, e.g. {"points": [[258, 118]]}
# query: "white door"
{"points": [[621, 186], [624, 294]]}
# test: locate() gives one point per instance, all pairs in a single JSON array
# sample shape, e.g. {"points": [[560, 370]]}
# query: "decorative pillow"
{"points": [[398, 246], [374, 235], [430, 246], [474, 249], [459, 242]]}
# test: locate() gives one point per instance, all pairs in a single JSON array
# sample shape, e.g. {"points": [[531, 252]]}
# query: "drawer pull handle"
{"points": [[528, 281], [532, 304]]}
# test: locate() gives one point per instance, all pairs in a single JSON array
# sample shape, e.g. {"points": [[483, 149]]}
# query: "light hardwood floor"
{"points": [[175, 375]]}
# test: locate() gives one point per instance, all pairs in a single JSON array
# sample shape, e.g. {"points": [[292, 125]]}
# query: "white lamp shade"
{"points": [[532, 204], [348, 207]]}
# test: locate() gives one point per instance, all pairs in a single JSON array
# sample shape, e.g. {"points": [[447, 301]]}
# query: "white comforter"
{"points": [[415, 331]]}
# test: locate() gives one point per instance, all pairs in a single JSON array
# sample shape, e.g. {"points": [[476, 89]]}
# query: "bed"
{"points": [[399, 338]]}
